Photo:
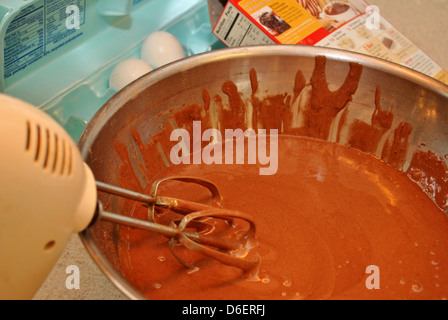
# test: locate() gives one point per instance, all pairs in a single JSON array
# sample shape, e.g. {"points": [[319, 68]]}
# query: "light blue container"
{"points": [[58, 54]]}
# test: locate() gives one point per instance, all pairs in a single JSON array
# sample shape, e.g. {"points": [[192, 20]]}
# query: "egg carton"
{"points": [[58, 55]]}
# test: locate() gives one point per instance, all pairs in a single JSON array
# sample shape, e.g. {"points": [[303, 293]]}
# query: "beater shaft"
{"points": [[170, 232], [177, 205]]}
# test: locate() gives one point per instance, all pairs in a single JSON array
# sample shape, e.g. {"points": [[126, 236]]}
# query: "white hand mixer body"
{"points": [[47, 193]]}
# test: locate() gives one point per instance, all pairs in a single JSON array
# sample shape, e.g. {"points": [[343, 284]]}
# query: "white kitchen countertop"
{"points": [[425, 22]]}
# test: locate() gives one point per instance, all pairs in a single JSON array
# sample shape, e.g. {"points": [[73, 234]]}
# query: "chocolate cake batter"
{"points": [[329, 213]]}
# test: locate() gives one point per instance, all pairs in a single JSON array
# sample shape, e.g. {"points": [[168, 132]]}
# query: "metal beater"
{"points": [[222, 250]]}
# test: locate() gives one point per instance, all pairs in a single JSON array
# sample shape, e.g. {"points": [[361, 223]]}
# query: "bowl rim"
{"points": [[137, 86]]}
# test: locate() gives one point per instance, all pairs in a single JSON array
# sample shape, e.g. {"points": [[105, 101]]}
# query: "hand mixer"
{"points": [[48, 193]]}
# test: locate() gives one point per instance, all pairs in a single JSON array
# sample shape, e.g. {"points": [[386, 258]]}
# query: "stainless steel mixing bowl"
{"points": [[411, 96]]}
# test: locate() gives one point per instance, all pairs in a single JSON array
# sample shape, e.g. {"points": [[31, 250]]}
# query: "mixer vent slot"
{"points": [[49, 150]]}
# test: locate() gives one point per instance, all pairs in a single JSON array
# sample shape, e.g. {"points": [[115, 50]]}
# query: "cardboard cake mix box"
{"points": [[352, 25]]}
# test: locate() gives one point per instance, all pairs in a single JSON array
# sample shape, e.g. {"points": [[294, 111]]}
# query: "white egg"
{"points": [[161, 48], [126, 72]]}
